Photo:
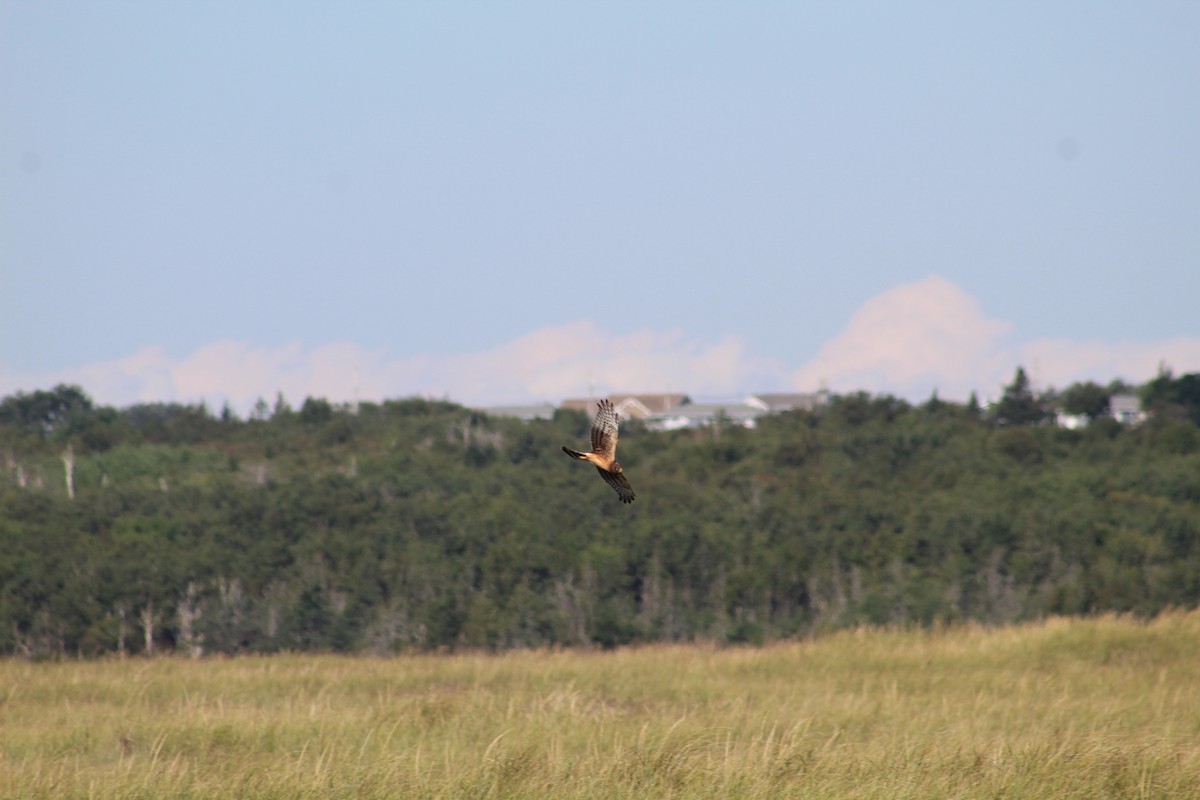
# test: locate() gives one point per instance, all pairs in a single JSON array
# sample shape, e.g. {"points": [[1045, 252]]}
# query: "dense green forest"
{"points": [[416, 524]]}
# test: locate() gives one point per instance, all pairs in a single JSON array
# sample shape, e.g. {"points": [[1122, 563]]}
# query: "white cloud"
{"points": [[927, 335], [906, 341], [1060, 362], [564, 360], [547, 364], [910, 339]]}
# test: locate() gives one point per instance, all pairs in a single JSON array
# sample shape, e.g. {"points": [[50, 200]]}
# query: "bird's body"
{"points": [[604, 451]]}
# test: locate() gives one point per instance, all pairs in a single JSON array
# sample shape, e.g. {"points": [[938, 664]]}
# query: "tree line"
{"points": [[417, 524]]}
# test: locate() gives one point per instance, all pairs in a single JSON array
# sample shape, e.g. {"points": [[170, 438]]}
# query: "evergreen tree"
{"points": [[1017, 405]]}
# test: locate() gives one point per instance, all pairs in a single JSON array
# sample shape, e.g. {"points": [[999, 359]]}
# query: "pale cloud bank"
{"points": [[911, 339], [546, 365], [908, 341], [931, 335]]}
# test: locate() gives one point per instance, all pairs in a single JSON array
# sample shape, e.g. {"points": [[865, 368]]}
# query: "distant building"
{"points": [[1071, 422], [700, 415], [629, 406], [1126, 409], [778, 402], [526, 413]]}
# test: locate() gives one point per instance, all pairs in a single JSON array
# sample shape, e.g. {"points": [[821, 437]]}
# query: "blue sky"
{"points": [[517, 202]]}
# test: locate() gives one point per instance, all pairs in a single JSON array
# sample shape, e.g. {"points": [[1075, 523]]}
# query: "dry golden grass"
{"points": [[1066, 708]]}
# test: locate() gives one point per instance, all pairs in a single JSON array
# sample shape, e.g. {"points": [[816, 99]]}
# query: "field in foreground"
{"points": [[1066, 708]]}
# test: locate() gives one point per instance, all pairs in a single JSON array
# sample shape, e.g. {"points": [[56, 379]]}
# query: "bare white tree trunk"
{"points": [[122, 630], [148, 619], [68, 458], [189, 612]]}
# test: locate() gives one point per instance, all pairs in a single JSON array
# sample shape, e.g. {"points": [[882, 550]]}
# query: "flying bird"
{"points": [[604, 451]]}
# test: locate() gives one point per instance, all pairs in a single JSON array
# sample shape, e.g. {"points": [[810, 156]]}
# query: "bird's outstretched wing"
{"points": [[619, 483], [604, 451], [604, 430]]}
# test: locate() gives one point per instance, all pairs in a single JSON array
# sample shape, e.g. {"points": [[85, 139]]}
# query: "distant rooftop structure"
{"points": [[700, 415], [629, 406], [521, 412], [667, 412], [1126, 409], [1071, 422], [778, 402]]}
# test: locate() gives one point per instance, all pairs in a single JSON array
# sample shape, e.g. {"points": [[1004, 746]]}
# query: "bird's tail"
{"points": [[574, 453]]}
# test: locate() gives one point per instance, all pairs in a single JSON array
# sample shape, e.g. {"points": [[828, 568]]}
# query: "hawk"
{"points": [[604, 451]]}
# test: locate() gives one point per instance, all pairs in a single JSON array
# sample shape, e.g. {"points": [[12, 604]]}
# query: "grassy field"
{"points": [[1067, 708]]}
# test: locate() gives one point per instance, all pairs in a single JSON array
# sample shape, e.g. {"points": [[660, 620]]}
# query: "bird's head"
{"points": [[616, 468]]}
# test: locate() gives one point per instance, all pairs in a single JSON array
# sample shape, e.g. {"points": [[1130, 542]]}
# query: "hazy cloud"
{"points": [[547, 364], [931, 335], [910, 339], [1060, 362], [907, 341]]}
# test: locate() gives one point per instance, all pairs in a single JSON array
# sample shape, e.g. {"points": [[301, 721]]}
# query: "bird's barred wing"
{"points": [[604, 431], [619, 483]]}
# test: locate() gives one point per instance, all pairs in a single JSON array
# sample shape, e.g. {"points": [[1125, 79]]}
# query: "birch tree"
{"points": [[189, 612], [68, 459], [149, 620]]}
